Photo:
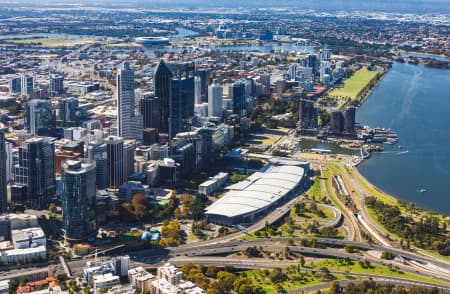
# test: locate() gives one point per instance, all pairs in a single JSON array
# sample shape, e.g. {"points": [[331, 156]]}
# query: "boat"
{"points": [[422, 190]]}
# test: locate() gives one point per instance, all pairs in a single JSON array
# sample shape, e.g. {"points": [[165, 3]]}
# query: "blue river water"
{"points": [[414, 101]]}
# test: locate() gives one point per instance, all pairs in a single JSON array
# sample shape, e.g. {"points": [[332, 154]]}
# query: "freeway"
{"points": [[326, 241], [313, 251], [379, 280]]}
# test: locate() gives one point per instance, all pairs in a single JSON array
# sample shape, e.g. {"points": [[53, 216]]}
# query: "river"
{"points": [[415, 102]]}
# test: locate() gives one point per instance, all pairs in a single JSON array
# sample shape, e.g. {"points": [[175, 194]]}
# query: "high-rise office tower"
{"points": [[3, 174], [68, 108], [150, 107], [238, 97], [115, 155], [36, 170], [349, 119], [40, 118], [181, 104], [15, 85], [96, 151], [198, 90], [215, 101], [26, 84], [205, 79], [78, 199], [307, 116], [128, 160], [128, 119], [56, 85], [161, 81]]}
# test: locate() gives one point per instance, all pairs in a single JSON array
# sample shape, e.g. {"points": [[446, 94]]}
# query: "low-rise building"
{"points": [[211, 185], [170, 273], [141, 279], [162, 286], [105, 281]]}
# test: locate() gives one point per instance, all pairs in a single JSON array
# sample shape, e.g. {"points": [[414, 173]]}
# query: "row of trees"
{"points": [[371, 287], [427, 233]]}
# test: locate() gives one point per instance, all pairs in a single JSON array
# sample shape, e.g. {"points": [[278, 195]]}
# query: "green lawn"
{"points": [[295, 280], [356, 268], [53, 42], [354, 85]]}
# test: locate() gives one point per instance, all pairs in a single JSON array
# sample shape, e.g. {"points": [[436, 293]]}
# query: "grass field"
{"points": [[354, 85], [356, 268], [53, 42]]}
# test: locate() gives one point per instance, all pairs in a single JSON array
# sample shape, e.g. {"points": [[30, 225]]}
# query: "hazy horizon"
{"points": [[415, 6]]}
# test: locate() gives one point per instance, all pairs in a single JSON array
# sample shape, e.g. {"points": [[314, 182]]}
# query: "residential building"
{"points": [[78, 199], [129, 122]]}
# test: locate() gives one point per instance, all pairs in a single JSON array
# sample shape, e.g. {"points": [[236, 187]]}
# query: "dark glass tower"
{"points": [[150, 107], [307, 116], [36, 170], [161, 82], [115, 168], [238, 96], [181, 108]]}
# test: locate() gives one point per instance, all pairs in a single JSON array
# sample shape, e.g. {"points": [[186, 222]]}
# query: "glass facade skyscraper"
{"points": [[40, 118], [78, 199], [161, 81], [36, 170], [115, 167]]}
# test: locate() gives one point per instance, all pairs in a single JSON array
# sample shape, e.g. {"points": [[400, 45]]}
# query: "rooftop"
{"points": [[257, 191]]}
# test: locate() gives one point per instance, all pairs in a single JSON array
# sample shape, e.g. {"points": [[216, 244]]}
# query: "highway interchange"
{"points": [[217, 251]]}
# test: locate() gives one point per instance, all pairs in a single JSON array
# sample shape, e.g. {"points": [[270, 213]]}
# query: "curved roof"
{"points": [[258, 191]]}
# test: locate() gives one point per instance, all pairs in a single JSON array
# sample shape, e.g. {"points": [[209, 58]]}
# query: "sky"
{"points": [[415, 6]]}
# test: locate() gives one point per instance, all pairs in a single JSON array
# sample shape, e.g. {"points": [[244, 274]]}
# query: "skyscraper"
{"points": [[115, 155], [128, 160], [96, 151], [307, 116], [15, 85], [215, 107], [205, 78], [238, 96], [181, 106], [336, 122], [68, 108], [78, 199], [56, 85], [161, 81], [26, 84], [36, 170], [150, 107], [128, 120], [40, 118], [349, 119], [3, 173], [198, 90]]}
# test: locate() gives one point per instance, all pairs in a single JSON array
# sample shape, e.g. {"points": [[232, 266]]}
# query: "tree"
{"points": [[302, 261], [334, 288], [52, 207], [140, 206]]}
